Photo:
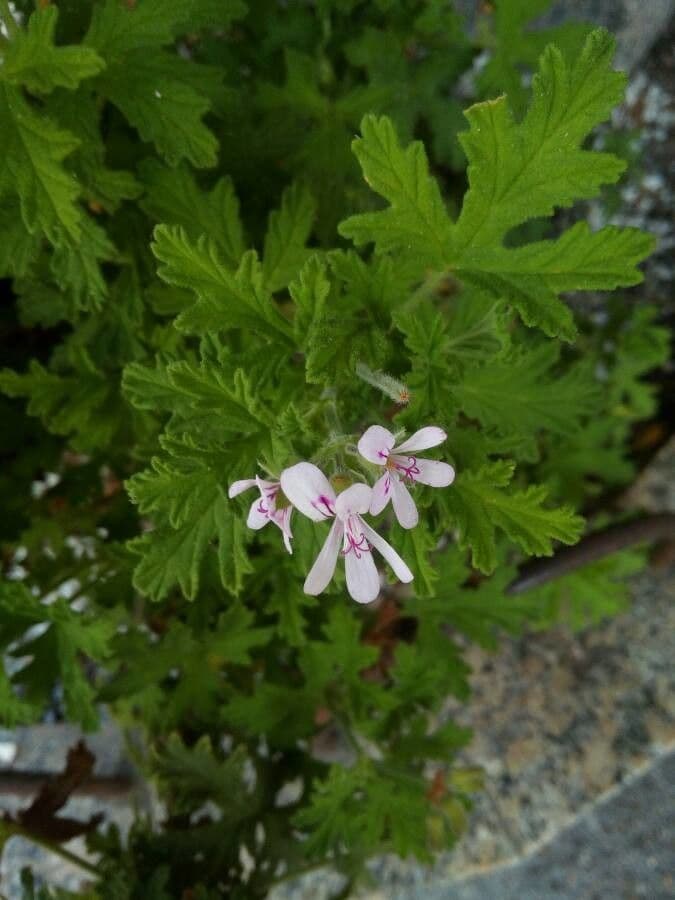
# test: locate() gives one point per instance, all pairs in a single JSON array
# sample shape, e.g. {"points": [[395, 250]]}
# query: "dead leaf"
{"points": [[40, 817]]}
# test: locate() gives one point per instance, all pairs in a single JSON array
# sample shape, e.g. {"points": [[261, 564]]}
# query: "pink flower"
{"points": [[309, 490], [377, 446], [265, 509]]}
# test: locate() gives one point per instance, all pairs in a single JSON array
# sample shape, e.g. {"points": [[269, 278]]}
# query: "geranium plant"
{"points": [[243, 344]]}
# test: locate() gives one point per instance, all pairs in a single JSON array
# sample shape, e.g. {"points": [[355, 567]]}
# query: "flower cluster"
{"points": [[306, 488]]}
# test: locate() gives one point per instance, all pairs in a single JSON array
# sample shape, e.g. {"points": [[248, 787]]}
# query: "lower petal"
{"points": [[282, 518], [258, 516], [363, 580], [434, 473], [322, 571], [286, 528], [401, 570], [404, 505], [237, 487], [381, 494]]}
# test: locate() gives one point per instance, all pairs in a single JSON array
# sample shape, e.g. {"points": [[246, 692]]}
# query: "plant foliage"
{"points": [[211, 278]]}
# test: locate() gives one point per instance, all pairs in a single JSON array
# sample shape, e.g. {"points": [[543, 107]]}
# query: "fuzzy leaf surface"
{"points": [[482, 502], [31, 58]]}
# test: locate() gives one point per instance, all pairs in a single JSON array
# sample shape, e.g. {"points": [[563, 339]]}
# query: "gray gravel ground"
{"points": [[622, 849]]}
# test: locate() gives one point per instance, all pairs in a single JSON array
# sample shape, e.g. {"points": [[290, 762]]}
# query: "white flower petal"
{"points": [[375, 444], [356, 499], [431, 436], [363, 581], [404, 505], [257, 519], [282, 518], [324, 565], [238, 487], [400, 568], [434, 473], [309, 490], [265, 486], [382, 490], [288, 537]]}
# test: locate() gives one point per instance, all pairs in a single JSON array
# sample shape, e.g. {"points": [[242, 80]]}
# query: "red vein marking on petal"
{"points": [[409, 470]]}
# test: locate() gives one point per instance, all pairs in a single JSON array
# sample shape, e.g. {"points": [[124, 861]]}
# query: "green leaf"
{"points": [[333, 667], [342, 654], [514, 46], [480, 612], [18, 247], [477, 329], [641, 345], [479, 503], [590, 594], [415, 545], [117, 28], [191, 776], [207, 390], [155, 91], [194, 265], [399, 811], [418, 745], [76, 266], [148, 388], [417, 680], [31, 59], [416, 220], [183, 491], [429, 380], [32, 149], [353, 810], [41, 304], [161, 94], [587, 459], [171, 557], [532, 277], [208, 13], [225, 300], [282, 713], [81, 114], [521, 392], [75, 637], [350, 328], [416, 87], [520, 171], [288, 231], [309, 291], [14, 710], [82, 406], [56, 653], [288, 603], [337, 815], [175, 494], [235, 637], [378, 286], [233, 555], [174, 197], [517, 171]]}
